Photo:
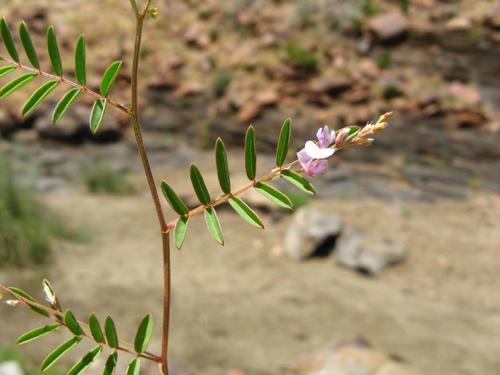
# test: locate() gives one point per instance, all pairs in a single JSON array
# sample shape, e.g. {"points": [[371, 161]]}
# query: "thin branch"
{"points": [[127, 347], [63, 80]]}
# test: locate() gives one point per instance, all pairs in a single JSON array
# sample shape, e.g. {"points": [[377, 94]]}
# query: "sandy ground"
{"points": [[240, 307]]}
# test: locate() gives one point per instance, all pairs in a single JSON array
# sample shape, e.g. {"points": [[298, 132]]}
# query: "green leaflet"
{"points": [[64, 104], [109, 77], [97, 114], [173, 199], [110, 366], [4, 70], [180, 231], [144, 333], [213, 224], [36, 333], [283, 142], [38, 96], [199, 186], [72, 323], [28, 45], [86, 361], [16, 84], [250, 154], [7, 40], [222, 167], [274, 195], [80, 61], [95, 329], [298, 180], [19, 292], [134, 367], [55, 56], [245, 212], [59, 352], [110, 330]]}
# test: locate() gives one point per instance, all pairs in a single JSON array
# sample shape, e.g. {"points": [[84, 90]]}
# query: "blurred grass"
{"points": [[102, 179], [27, 228]]}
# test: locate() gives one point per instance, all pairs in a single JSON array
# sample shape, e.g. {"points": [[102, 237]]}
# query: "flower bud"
{"points": [[341, 136], [12, 302]]}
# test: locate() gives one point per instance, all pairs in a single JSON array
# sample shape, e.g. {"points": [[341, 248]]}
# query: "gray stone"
{"points": [[389, 28], [313, 232], [10, 368]]}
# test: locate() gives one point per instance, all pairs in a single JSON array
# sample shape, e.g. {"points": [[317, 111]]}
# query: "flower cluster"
{"points": [[314, 156]]}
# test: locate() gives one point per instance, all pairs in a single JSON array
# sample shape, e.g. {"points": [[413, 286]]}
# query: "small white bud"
{"points": [[12, 302], [50, 296]]}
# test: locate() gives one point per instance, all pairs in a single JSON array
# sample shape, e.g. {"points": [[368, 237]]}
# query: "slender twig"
{"points": [[152, 187], [55, 314], [64, 80]]}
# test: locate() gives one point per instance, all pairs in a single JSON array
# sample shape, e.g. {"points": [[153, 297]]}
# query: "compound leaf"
{"points": [[38, 96], [213, 224], [26, 296]]}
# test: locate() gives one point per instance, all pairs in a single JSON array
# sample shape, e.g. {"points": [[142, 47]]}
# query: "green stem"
{"points": [[152, 187]]}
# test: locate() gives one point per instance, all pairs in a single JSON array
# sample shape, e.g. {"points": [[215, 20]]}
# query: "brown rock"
{"points": [[250, 111], [388, 28], [268, 97]]}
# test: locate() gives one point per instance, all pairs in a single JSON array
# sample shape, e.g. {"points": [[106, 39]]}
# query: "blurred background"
{"points": [[392, 269]]}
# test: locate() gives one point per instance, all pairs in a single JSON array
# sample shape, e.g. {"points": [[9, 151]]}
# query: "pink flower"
{"points": [[313, 156], [311, 166], [325, 137]]}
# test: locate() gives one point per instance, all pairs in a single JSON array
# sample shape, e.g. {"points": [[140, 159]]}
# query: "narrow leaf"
{"points": [[38, 96], [298, 180], [16, 84], [199, 185], [72, 323], [143, 334], [28, 45], [245, 212], [134, 367], [86, 361], [111, 335], [110, 366], [20, 293], [283, 142], [55, 56], [173, 199], [213, 224], [180, 231], [275, 195], [95, 329], [80, 61], [64, 104], [109, 77], [222, 167], [8, 41], [250, 154], [59, 352], [36, 333], [97, 114], [4, 70]]}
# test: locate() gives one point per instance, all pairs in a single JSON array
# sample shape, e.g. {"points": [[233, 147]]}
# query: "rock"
{"points": [[268, 98], [389, 28], [250, 111], [10, 368], [368, 256], [312, 233], [353, 358], [332, 86]]}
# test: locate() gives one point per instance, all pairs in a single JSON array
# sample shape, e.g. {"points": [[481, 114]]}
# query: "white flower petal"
{"points": [[315, 152]]}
